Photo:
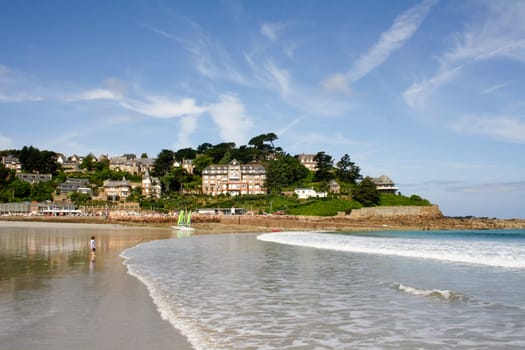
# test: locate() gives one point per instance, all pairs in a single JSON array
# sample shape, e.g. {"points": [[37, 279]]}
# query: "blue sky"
{"points": [[430, 93]]}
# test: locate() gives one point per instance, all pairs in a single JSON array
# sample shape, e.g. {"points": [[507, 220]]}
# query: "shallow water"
{"points": [[398, 290]]}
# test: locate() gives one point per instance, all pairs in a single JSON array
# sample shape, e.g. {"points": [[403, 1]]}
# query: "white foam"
{"points": [[165, 307], [489, 253], [436, 293]]}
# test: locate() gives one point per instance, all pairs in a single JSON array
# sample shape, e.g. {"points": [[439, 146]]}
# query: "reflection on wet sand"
{"points": [[50, 285]]}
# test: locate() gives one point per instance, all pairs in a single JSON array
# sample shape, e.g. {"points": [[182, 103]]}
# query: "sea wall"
{"points": [[393, 212]]}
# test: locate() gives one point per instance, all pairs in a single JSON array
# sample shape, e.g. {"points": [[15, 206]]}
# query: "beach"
{"points": [[53, 296]]}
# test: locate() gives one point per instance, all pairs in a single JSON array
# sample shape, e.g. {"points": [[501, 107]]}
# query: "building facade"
{"points": [[73, 185], [34, 178], [115, 190], [12, 163], [304, 193], [307, 160], [131, 164], [151, 186], [385, 185], [234, 179]]}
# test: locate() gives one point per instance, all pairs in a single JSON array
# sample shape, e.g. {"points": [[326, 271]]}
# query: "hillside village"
{"points": [[226, 172], [232, 178]]}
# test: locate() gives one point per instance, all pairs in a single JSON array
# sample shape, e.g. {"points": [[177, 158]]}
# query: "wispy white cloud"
{"points": [[288, 127], [271, 30], [187, 126], [162, 107], [289, 49], [337, 83], [96, 94], [278, 75], [500, 35], [232, 119], [268, 74], [113, 89], [420, 91], [20, 97], [493, 88], [503, 128], [209, 57], [495, 187], [160, 32], [403, 28]]}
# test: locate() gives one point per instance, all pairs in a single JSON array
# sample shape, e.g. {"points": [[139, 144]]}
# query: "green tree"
{"points": [[79, 198], [324, 167], [366, 193], [260, 143], [347, 171], [163, 163], [185, 153], [244, 154], [200, 163], [35, 161], [283, 171], [20, 190], [217, 152], [42, 191], [226, 158], [88, 162], [102, 164], [6, 175]]}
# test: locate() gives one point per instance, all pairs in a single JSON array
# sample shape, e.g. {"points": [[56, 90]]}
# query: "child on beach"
{"points": [[92, 245]]}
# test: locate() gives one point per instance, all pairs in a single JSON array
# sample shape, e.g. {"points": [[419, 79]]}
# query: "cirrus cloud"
{"points": [[504, 128], [232, 119]]}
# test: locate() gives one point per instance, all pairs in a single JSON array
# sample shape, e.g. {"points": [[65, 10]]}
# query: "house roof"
{"points": [[383, 180], [116, 183]]}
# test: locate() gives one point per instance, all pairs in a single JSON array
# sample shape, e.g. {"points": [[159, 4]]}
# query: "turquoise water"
{"points": [[303, 290]]}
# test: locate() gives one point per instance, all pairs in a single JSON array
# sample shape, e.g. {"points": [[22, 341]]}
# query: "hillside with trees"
{"points": [[181, 189]]}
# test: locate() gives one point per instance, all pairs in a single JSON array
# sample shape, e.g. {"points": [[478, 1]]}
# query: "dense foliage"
{"points": [[284, 172]]}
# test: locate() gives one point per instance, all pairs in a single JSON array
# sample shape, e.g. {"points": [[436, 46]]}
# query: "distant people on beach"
{"points": [[93, 246]]}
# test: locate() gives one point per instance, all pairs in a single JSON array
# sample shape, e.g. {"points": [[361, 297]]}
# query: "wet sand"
{"points": [[53, 296]]}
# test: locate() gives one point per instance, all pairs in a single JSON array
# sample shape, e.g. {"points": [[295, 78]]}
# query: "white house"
{"points": [[303, 193]]}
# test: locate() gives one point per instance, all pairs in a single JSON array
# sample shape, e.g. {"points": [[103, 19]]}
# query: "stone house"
{"points": [[34, 178], [151, 186], [74, 185], [334, 187], [12, 163], [131, 164], [69, 164], [307, 160], [126, 162], [115, 190], [234, 179]]}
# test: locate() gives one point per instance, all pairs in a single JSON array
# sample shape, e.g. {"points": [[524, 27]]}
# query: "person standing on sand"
{"points": [[93, 246]]}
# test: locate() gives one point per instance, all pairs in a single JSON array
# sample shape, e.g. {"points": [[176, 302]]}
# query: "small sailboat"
{"points": [[184, 221]]}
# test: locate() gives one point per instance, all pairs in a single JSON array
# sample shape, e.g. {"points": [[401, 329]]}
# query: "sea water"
{"points": [[306, 290]]}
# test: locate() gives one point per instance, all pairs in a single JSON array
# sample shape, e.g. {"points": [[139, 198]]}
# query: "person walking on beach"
{"points": [[93, 246]]}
